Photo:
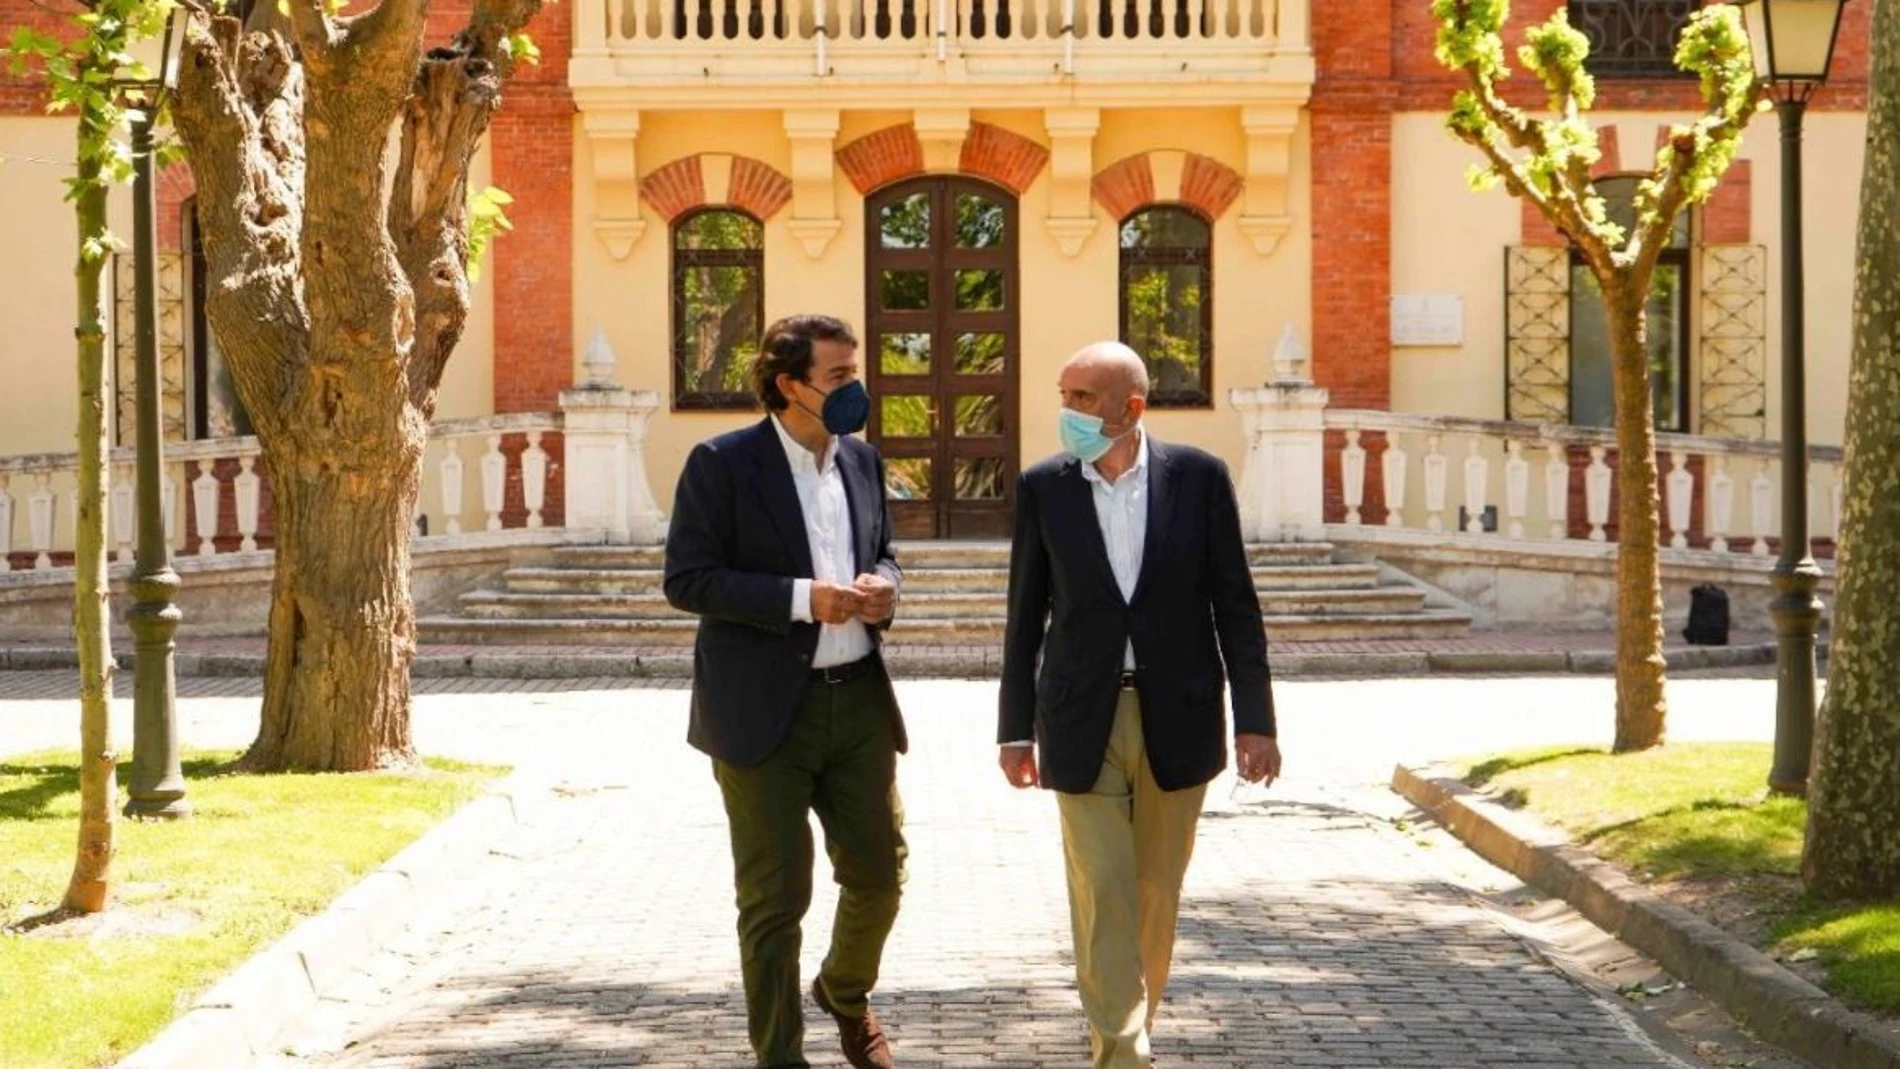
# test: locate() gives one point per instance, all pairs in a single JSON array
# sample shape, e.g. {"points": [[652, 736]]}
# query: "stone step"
{"points": [[929, 604], [917, 556], [906, 631], [917, 580]]}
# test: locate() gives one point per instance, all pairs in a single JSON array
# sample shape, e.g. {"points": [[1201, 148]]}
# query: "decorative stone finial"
{"points": [[1289, 358], [599, 362]]}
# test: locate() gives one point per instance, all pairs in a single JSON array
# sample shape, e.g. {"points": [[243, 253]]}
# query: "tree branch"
{"points": [[239, 110], [454, 96], [385, 42]]}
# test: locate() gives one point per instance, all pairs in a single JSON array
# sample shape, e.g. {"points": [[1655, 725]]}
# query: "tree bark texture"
{"points": [[1640, 706], [333, 182], [1852, 848], [88, 890]]}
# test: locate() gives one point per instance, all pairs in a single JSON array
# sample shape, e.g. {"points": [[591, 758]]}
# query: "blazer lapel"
{"points": [[775, 486], [861, 498], [1160, 507], [1080, 501]]}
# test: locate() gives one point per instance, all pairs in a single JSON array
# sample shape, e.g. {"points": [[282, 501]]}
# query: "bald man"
{"points": [[1128, 579]]}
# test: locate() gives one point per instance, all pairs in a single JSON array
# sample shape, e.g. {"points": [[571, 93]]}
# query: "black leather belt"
{"points": [[845, 673], [1128, 681]]}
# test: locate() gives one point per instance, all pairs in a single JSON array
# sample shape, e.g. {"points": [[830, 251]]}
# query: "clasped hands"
{"points": [[870, 598]]}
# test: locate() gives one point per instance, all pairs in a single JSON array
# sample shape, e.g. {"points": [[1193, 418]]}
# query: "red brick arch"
{"points": [[680, 186], [1206, 185], [989, 152]]}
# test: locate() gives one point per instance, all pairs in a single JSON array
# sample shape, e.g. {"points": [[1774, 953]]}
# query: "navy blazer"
{"points": [[1194, 613], [736, 541]]}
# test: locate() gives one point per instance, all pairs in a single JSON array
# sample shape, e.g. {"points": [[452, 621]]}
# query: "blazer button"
{"points": [[804, 656]]}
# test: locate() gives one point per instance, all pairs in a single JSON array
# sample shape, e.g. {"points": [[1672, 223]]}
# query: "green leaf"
{"points": [[486, 221], [522, 47]]}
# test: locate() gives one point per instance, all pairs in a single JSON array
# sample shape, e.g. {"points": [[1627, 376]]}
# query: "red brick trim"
{"points": [[883, 157], [676, 188], [680, 186], [531, 145], [1124, 186], [1352, 255], [175, 190], [1002, 156], [1209, 185], [1609, 154], [758, 187], [1727, 218]]}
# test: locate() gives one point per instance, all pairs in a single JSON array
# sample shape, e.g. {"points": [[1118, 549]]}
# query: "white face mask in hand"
{"points": [[1245, 794]]}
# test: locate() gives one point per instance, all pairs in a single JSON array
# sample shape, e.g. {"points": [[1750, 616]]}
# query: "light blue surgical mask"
{"points": [[1082, 435]]}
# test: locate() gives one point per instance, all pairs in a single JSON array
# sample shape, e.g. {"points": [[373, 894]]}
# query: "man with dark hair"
{"points": [[781, 544]]}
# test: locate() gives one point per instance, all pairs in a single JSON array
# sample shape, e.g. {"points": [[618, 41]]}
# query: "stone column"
{"points": [[1283, 480], [604, 428]]}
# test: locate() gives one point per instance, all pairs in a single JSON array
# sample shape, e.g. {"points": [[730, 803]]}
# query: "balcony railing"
{"points": [[746, 41], [1633, 38]]}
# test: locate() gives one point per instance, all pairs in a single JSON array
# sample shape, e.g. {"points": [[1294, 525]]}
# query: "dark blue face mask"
{"points": [[847, 408]]}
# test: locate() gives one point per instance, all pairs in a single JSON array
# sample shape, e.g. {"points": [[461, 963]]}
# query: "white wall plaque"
{"points": [[1428, 319]]}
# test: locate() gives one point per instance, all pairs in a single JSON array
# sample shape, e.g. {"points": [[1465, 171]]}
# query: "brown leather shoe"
{"points": [[861, 1037]]}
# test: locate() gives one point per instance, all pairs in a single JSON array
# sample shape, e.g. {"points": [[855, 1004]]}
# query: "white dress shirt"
{"points": [[1121, 510], [827, 513]]}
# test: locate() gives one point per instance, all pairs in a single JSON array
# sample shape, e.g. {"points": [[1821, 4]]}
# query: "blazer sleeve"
{"points": [[699, 548], [1028, 618], [1238, 623], [887, 566]]}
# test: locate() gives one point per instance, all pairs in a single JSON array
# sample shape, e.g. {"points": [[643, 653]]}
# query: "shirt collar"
{"points": [[800, 457], [1140, 467]]}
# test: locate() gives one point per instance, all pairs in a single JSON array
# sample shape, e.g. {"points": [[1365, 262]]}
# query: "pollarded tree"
{"points": [[338, 288], [80, 69], [1546, 160], [1852, 848]]}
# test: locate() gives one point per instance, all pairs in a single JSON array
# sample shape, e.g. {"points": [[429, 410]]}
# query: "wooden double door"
{"points": [[941, 354]]}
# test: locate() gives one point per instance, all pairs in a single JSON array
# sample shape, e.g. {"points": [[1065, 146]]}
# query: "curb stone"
{"points": [[235, 1021], [1777, 1005], [554, 663]]}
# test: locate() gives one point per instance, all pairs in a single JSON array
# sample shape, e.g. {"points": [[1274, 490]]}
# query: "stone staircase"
{"points": [[954, 595]]}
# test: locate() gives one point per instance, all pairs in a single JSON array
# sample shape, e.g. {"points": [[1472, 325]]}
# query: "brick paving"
{"points": [[1315, 935]]}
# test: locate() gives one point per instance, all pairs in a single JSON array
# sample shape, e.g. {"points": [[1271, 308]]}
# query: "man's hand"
{"points": [[833, 604], [879, 597], [1258, 757], [1019, 765]]}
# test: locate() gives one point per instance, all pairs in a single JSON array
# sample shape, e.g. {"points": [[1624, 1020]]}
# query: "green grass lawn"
{"points": [[191, 899], [1700, 812]]}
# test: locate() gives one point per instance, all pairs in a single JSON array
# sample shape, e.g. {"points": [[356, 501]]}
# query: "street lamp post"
{"points": [[157, 785], [1793, 46]]}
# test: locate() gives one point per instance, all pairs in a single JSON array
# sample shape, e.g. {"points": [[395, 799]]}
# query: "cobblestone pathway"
{"points": [[1315, 935]]}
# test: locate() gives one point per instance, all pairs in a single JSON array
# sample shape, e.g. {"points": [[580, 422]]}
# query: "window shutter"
{"points": [[1732, 352], [172, 366], [1537, 333]]}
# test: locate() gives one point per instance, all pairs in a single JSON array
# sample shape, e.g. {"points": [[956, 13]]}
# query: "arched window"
{"points": [[718, 307], [1167, 302], [1592, 402]]}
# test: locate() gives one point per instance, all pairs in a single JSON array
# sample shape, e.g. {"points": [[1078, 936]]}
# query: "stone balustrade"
{"points": [[479, 476]]}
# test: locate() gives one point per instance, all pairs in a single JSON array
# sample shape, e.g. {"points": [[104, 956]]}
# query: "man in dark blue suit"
{"points": [[1129, 583], [781, 543]]}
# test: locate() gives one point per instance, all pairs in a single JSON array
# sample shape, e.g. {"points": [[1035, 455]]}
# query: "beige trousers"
{"points": [[1127, 843]]}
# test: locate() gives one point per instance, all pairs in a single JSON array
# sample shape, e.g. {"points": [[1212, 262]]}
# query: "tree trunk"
{"points": [[1640, 707], [88, 889], [342, 626], [1852, 849], [338, 290]]}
